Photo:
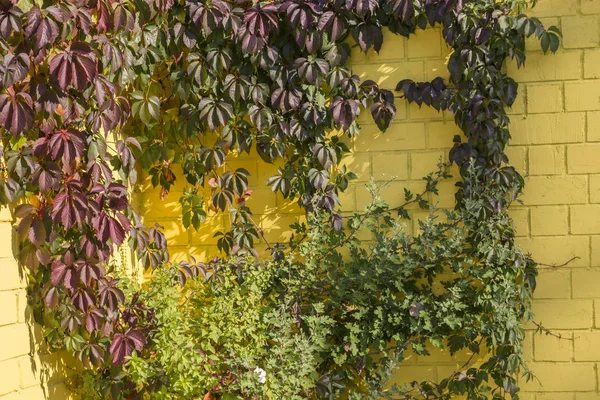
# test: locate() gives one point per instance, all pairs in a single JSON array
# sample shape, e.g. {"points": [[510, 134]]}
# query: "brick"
{"points": [[595, 245], [387, 75], [563, 65], [436, 67], [9, 371], [388, 165], [517, 157], [593, 126], [213, 224], [155, 207], [547, 221], [416, 112], [446, 198], [563, 314], [422, 164], [425, 43], [551, 348], [6, 215], [580, 32], [585, 219], [583, 159], [546, 190], [544, 98], [18, 337], [360, 164], [546, 160], [548, 128], [553, 284], [347, 199], [582, 96], [590, 7], [576, 377], [29, 371], [10, 271], [591, 64], [554, 8], [595, 188], [287, 206], [7, 235], [585, 283], [262, 201], [587, 396], [587, 346], [440, 134], [402, 136], [277, 228], [8, 315], [520, 217], [557, 249]]}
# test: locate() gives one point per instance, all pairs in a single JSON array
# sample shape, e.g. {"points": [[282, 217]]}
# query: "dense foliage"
{"points": [[196, 82]]}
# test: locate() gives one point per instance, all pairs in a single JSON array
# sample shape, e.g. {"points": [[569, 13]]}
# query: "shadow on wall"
{"points": [[28, 370]]}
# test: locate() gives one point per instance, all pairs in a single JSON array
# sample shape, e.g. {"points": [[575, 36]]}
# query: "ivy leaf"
{"points": [[14, 68], [343, 111], [367, 36], [215, 113], [333, 23], [16, 111], [75, 66], [10, 20], [279, 182], [123, 345], [40, 27], [403, 9], [147, 108], [110, 295], [318, 178]]}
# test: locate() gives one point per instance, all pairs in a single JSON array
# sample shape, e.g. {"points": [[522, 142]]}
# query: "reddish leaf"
{"points": [[51, 298], [37, 232], [75, 66], [123, 345], [41, 27], [16, 112]]}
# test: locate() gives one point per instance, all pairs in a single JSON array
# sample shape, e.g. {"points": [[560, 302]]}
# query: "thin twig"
{"points": [[547, 331], [558, 265]]}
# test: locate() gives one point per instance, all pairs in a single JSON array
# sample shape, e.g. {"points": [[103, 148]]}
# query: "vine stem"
{"points": [[547, 331], [559, 265]]}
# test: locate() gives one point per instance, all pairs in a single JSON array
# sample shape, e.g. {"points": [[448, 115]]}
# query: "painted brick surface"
{"points": [[555, 122]]}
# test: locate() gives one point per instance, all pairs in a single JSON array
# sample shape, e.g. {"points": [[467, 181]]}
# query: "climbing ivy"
{"points": [[92, 91]]}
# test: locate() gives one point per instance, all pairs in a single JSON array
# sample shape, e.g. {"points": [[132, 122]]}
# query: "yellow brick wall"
{"points": [[556, 141]]}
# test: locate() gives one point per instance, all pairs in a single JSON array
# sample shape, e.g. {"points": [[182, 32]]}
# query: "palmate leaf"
{"points": [[76, 66], [41, 25], [215, 113], [344, 111], [14, 68], [368, 35], [146, 107], [333, 23], [10, 20], [70, 204], [16, 111], [403, 9], [123, 345]]}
